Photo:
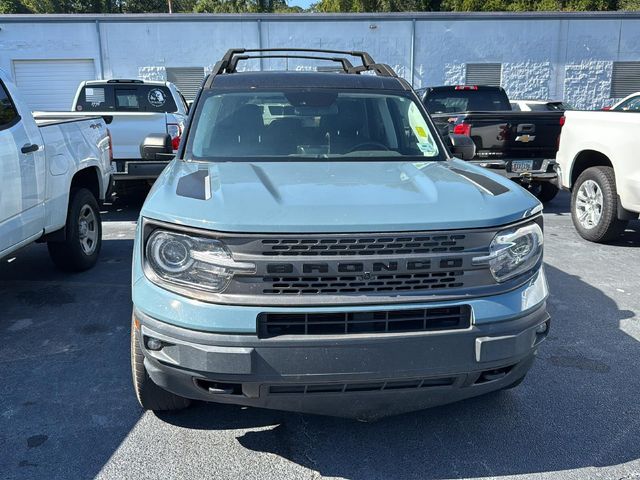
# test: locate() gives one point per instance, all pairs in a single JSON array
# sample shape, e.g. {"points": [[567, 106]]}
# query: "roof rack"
{"points": [[347, 66], [230, 60]]}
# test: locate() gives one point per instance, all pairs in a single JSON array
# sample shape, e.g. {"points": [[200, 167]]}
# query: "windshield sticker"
{"points": [[428, 149], [156, 97], [422, 136], [420, 131]]}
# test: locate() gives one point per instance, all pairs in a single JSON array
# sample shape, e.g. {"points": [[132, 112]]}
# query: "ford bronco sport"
{"points": [[315, 247]]}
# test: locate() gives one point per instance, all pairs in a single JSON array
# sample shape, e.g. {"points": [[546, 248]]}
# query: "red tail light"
{"points": [[175, 130], [110, 145], [562, 120], [462, 129]]}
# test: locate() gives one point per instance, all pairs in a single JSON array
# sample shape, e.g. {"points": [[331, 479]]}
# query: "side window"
{"points": [[8, 111]]}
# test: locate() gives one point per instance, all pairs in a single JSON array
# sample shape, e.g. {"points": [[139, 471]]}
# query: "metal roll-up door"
{"points": [[187, 79], [51, 84], [484, 74], [625, 79]]}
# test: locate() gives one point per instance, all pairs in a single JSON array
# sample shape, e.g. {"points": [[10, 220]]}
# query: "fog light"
{"points": [[154, 344], [542, 328]]}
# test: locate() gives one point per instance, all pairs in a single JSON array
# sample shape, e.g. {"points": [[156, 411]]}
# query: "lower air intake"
{"points": [[383, 321]]}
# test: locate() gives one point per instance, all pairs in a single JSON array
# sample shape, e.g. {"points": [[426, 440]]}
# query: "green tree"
{"points": [[13, 6], [243, 6]]}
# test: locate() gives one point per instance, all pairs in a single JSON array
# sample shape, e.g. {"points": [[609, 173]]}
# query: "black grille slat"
{"points": [[361, 387], [382, 321], [363, 246]]}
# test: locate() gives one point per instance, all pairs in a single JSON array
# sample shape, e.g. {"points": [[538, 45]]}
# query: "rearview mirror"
{"points": [[157, 146], [462, 147]]}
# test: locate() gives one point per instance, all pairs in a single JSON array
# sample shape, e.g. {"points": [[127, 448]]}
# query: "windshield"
{"points": [[453, 101], [318, 123], [549, 107]]}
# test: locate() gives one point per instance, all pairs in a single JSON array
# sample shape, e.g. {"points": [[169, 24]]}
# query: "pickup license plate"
{"points": [[518, 166]]}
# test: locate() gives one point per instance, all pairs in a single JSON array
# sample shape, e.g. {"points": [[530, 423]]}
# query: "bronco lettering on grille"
{"points": [[355, 267]]}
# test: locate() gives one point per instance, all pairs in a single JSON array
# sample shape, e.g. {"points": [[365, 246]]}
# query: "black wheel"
{"points": [[150, 396], [544, 191], [83, 231], [594, 205]]}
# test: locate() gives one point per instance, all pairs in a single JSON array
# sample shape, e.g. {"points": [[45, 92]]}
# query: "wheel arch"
{"points": [[587, 159], [88, 178]]}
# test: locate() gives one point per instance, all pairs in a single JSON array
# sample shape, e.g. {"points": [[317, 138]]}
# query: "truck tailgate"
{"points": [[129, 129], [508, 134]]}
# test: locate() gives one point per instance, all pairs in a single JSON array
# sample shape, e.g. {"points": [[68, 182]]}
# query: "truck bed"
{"points": [[128, 129], [45, 119]]}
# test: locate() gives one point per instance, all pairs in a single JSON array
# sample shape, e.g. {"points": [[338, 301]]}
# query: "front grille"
{"points": [[370, 245], [361, 387], [361, 284], [357, 268], [383, 321]]}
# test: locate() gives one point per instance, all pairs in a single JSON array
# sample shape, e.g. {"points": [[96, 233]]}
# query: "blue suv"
{"points": [[315, 246]]}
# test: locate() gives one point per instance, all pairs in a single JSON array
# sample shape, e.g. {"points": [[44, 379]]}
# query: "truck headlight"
{"points": [[192, 261], [513, 251]]}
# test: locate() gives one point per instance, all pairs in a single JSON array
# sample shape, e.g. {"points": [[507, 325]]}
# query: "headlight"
{"points": [[190, 261], [513, 251]]}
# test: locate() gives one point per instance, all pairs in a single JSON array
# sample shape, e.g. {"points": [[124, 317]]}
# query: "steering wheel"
{"points": [[375, 145]]}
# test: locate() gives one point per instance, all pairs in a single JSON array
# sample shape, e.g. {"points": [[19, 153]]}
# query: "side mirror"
{"points": [[157, 146], [462, 146]]}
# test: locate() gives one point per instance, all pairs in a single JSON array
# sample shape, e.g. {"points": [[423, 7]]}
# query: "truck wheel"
{"points": [[150, 396], [544, 191], [79, 251], [594, 205]]}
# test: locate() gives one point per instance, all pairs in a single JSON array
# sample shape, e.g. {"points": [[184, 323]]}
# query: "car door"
{"points": [[22, 175]]}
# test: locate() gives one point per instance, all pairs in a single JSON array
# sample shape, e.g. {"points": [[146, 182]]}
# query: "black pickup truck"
{"points": [[522, 145]]}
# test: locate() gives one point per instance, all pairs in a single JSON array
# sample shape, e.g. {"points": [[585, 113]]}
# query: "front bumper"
{"points": [[543, 169], [361, 376]]}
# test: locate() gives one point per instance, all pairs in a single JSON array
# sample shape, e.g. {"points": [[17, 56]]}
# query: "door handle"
{"points": [[30, 148]]}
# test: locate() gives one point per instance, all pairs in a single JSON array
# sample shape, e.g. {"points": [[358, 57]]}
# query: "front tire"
{"points": [[594, 205], [150, 396], [83, 234]]}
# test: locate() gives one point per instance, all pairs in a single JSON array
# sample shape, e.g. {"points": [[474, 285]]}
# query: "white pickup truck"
{"points": [[133, 109], [52, 174], [598, 161]]}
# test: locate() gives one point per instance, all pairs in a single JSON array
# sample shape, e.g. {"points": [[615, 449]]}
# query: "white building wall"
{"points": [[546, 56]]}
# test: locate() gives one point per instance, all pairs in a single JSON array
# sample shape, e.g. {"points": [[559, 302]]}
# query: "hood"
{"points": [[320, 196]]}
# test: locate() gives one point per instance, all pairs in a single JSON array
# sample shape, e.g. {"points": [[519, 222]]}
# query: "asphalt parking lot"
{"points": [[67, 409]]}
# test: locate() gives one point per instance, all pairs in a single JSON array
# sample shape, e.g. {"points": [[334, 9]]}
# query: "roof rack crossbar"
{"points": [[347, 66], [229, 61]]}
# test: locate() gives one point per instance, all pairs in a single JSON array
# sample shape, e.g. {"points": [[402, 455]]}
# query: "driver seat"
{"points": [[348, 127]]}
